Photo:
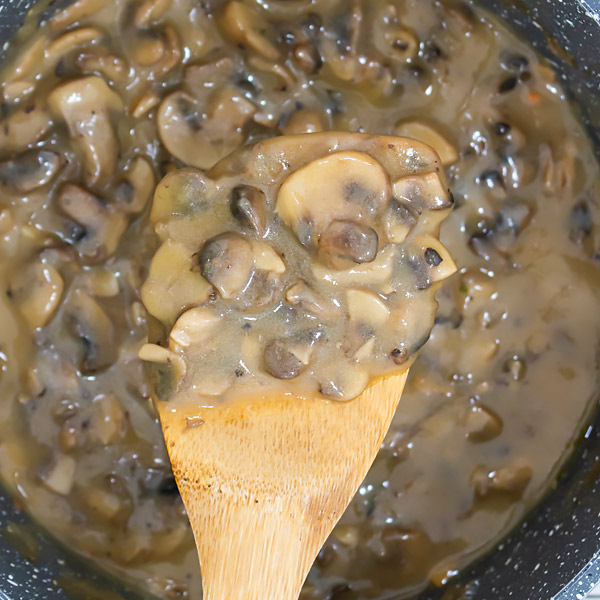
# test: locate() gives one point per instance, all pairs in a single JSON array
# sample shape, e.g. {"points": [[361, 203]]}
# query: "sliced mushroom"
{"points": [[391, 37], [158, 50], [102, 225], [87, 106], [75, 12], [424, 192], [149, 11], [399, 222], [377, 271], [481, 423], [168, 370], [144, 104], [280, 362], [24, 127], [37, 291], [85, 320], [246, 27], [193, 327], [108, 66], [417, 130], [201, 139], [29, 171], [305, 120], [436, 258], [70, 40], [134, 191], [302, 294], [344, 243], [58, 477], [248, 205], [366, 307], [172, 285], [340, 186], [227, 262], [343, 381], [266, 259]]}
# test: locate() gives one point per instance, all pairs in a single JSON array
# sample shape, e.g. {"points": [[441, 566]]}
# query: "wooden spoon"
{"points": [[265, 479], [264, 482]]}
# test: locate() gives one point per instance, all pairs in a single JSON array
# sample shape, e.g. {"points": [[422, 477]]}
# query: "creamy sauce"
{"points": [[497, 396]]}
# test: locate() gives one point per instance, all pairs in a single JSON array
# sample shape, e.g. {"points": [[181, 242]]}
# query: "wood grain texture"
{"points": [[264, 482]]}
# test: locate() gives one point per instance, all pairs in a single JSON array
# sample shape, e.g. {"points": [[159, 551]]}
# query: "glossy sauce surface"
{"points": [[497, 396]]}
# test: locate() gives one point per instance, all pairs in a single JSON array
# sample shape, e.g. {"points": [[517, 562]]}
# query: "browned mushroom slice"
{"points": [[24, 127], [30, 170], [172, 284], [37, 291], [200, 139], [245, 26], [86, 105], [86, 321], [102, 225], [134, 191], [109, 66]]}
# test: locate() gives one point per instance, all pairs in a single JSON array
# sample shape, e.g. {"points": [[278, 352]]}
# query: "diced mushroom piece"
{"points": [[156, 354], [37, 291], [439, 263], [29, 171], [481, 423], [108, 422], [365, 351], [245, 26], [200, 139], [148, 49], [168, 370], [193, 327], [366, 307], [24, 127], [172, 284], [422, 132], [343, 381], [301, 293], [58, 477], [248, 205], [510, 480], [377, 271], [425, 192], [134, 191], [399, 222], [86, 321], [307, 57], [344, 243], [341, 186], [280, 362], [305, 120], [227, 261], [266, 259], [87, 105], [102, 224]]}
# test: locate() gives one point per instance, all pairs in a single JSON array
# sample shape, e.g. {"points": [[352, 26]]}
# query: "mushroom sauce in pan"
{"points": [[109, 96]]}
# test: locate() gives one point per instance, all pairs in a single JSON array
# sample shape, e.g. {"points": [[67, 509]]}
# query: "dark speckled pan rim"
{"points": [[555, 553]]}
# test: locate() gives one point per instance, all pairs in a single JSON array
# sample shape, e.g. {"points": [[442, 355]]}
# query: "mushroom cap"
{"points": [[347, 185]]}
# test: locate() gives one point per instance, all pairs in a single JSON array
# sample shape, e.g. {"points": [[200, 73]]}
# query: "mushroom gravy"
{"points": [[499, 393], [311, 259]]}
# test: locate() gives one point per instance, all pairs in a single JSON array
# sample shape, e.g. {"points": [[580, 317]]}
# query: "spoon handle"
{"points": [[264, 482]]}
